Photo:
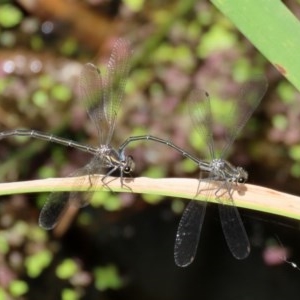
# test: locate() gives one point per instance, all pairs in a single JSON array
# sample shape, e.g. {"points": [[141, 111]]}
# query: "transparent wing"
{"points": [[115, 81], [201, 115], [188, 233], [95, 167], [234, 231], [241, 110], [58, 202], [92, 96], [102, 96]]}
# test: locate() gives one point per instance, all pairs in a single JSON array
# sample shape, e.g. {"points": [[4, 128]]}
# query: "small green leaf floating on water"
{"points": [[69, 47], [294, 152], [61, 93], [18, 288], [36, 263], [107, 278], [295, 170], [110, 202], [134, 5], [4, 246], [66, 269], [10, 16], [40, 98], [68, 294], [280, 121]]}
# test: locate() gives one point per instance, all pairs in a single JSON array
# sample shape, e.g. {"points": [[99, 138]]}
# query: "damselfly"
{"points": [[216, 169], [101, 96]]}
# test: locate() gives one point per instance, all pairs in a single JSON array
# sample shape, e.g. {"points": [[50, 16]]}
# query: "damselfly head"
{"points": [[129, 165], [242, 175]]}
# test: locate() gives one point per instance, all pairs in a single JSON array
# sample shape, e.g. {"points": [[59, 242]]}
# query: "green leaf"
{"points": [[4, 84], [218, 38], [66, 269], [37, 234], [46, 172], [10, 15], [280, 122], [152, 199], [68, 294], [69, 47], [113, 203], [193, 30], [107, 278], [84, 219], [36, 42], [155, 172], [18, 288], [134, 5], [4, 245], [188, 166], [197, 141], [40, 98], [21, 228], [8, 39], [3, 294], [273, 30], [294, 152], [177, 206], [286, 92], [61, 92], [295, 170], [37, 262], [242, 69], [46, 81], [110, 202], [162, 53]]}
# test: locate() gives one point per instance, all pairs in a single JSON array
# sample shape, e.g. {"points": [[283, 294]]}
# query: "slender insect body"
{"points": [[101, 97], [220, 170], [223, 170], [110, 158]]}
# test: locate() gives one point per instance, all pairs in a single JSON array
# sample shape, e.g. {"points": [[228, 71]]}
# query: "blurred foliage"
{"points": [[152, 199], [68, 294], [10, 15], [107, 278], [178, 46], [110, 202], [37, 262], [135, 5], [18, 288], [66, 269]]}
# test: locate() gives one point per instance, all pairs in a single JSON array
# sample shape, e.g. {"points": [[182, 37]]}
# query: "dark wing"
{"points": [[234, 230], [58, 202], [188, 233], [54, 208]]}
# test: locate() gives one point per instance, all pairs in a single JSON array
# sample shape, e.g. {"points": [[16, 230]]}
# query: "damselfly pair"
{"points": [[102, 97]]}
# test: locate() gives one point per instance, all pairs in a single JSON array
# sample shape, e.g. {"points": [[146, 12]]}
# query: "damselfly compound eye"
{"points": [[127, 170], [242, 180]]}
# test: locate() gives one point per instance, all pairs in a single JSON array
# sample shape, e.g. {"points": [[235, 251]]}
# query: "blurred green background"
{"points": [[121, 247]]}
